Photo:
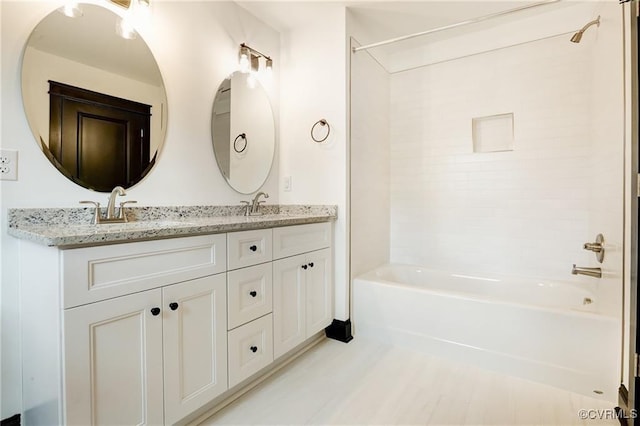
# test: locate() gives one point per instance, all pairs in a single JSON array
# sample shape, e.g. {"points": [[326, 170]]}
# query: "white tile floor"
{"points": [[366, 382]]}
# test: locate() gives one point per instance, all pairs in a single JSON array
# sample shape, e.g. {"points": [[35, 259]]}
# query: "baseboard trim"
{"points": [[623, 395], [339, 330], [11, 421]]}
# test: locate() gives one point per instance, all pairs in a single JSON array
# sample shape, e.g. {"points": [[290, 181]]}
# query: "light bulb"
{"points": [[140, 13], [268, 70], [71, 9], [244, 60], [244, 64]]}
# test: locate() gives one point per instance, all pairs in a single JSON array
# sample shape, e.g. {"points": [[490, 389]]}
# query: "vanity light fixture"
{"points": [[249, 62]]}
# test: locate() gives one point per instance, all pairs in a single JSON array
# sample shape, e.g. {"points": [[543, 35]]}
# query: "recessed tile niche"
{"points": [[493, 133]]}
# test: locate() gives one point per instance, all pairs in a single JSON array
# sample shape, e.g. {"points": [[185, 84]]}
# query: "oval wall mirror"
{"points": [[243, 133], [95, 102]]}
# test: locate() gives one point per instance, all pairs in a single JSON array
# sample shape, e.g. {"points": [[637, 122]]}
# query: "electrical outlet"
{"points": [[287, 183], [8, 164]]}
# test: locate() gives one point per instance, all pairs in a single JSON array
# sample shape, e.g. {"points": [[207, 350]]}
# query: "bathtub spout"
{"points": [[591, 272]]}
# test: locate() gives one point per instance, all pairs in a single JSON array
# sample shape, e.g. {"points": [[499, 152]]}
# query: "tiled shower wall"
{"points": [[521, 212]]}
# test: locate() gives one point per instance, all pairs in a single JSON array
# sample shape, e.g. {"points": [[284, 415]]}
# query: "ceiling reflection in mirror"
{"points": [[243, 133], [95, 102]]}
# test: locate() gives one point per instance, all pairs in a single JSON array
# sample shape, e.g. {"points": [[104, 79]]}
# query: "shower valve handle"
{"points": [[597, 247]]}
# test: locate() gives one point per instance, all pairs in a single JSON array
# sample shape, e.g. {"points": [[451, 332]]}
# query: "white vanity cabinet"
{"points": [[148, 356], [302, 284], [155, 332]]}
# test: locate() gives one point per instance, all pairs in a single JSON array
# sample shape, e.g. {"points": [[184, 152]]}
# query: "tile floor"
{"points": [[366, 382]]}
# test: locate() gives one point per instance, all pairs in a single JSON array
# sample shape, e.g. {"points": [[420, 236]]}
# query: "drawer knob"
{"points": [[155, 311], [304, 266], [173, 306], [311, 265], [254, 349], [253, 248], [253, 293]]}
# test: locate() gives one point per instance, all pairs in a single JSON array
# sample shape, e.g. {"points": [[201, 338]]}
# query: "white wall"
{"points": [[314, 69], [527, 211], [196, 46], [369, 163]]}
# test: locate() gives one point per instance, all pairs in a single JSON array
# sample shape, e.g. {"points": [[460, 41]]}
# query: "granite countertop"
{"points": [[71, 227]]}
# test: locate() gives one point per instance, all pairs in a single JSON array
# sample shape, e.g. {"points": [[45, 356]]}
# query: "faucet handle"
{"points": [[121, 214], [246, 206], [96, 213]]}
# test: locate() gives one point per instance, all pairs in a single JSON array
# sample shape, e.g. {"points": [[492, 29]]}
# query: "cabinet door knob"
{"points": [[311, 265], [253, 248], [253, 293], [304, 266], [173, 306], [254, 349], [155, 311]]}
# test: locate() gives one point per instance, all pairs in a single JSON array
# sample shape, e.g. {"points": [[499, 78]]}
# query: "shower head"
{"points": [[578, 36]]}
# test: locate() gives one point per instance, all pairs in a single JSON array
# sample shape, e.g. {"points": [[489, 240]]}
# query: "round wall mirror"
{"points": [[243, 133], [95, 102]]}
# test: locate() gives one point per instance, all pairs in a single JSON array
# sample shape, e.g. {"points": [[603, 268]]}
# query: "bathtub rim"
{"points": [[370, 277]]}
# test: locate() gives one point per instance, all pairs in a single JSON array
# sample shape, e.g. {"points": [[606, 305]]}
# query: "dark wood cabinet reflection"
{"points": [[97, 140]]}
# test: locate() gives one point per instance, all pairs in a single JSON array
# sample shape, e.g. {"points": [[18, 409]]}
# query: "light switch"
{"points": [[286, 183]]}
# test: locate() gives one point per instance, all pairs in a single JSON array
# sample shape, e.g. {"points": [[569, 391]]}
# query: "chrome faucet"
{"points": [[591, 272], [255, 204]]}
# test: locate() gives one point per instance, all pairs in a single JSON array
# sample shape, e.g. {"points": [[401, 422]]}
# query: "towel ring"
{"points": [[242, 136], [323, 123]]}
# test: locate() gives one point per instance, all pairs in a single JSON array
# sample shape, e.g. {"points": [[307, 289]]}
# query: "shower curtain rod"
{"points": [[458, 24]]}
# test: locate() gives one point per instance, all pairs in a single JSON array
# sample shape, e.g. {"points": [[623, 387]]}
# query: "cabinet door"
{"points": [[113, 361], [195, 344], [319, 288], [288, 304]]}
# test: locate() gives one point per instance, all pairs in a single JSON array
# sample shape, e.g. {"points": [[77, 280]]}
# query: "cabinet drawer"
{"points": [[248, 248], [292, 240], [249, 294], [250, 349], [98, 273]]}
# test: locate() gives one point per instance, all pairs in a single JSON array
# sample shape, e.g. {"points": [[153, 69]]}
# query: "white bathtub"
{"points": [[549, 332]]}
